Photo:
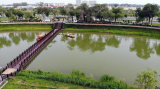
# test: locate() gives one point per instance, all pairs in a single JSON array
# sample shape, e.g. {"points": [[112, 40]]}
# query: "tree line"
{"points": [[84, 13]]}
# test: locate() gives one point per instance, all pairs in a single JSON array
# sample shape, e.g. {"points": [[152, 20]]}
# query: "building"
{"points": [[92, 3], [86, 2], [78, 2]]}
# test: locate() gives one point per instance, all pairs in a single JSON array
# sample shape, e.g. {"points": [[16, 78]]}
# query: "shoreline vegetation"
{"points": [[113, 30], [75, 80], [26, 27], [85, 28]]}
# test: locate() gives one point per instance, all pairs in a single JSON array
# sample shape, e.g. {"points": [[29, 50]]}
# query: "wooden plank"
{"points": [[9, 71]]}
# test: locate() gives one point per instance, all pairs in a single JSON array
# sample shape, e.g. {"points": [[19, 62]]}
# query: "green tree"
{"points": [[44, 11], [20, 13], [118, 13], [72, 13], [83, 8], [140, 15], [28, 15], [63, 10], [158, 19], [147, 79], [2, 10], [99, 10], [150, 11]]}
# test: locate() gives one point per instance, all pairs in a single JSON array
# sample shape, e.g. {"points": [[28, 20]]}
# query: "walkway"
{"points": [[25, 57]]}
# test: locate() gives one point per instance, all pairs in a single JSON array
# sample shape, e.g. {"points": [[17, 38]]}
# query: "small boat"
{"points": [[71, 36], [39, 37]]}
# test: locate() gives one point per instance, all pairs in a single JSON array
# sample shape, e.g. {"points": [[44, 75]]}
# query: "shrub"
{"points": [[78, 73], [107, 78], [147, 79]]}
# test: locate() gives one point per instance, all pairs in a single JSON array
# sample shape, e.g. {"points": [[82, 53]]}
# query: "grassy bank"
{"points": [[78, 79], [26, 27], [114, 30]]}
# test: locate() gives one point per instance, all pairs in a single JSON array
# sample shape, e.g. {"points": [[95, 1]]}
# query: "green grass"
{"points": [[22, 82], [76, 79], [114, 30], [26, 27]]}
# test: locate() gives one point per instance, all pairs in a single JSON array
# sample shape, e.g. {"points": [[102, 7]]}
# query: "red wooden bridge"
{"points": [[25, 57]]}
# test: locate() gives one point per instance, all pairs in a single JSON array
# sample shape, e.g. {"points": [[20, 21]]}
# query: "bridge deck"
{"points": [[9, 71]]}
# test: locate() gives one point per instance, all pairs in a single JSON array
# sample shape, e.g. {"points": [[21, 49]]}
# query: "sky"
{"points": [[143, 2]]}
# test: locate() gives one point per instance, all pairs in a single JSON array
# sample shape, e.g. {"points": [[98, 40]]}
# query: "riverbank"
{"points": [[26, 27], [113, 29], [77, 80]]}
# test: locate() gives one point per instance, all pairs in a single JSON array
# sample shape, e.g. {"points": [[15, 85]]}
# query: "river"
{"points": [[121, 56]]}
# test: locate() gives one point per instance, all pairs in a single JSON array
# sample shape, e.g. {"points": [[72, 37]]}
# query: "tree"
{"points": [[20, 13], [158, 19], [108, 15], [150, 11], [99, 9], [63, 10], [83, 11], [147, 79], [44, 11], [140, 15], [28, 15], [2, 10], [72, 13], [118, 13]]}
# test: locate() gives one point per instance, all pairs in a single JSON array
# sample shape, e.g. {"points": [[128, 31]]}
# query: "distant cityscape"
{"points": [[78, 3]]}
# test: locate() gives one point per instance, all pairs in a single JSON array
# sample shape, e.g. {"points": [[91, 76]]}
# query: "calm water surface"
{"points": [[121, 56]]}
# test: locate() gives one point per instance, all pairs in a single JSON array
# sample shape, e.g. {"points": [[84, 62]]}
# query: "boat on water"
{"points": [[71, 36], [39, 37]]}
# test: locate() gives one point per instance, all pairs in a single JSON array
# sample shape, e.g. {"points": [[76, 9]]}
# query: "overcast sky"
{"points": [[74, 1]]}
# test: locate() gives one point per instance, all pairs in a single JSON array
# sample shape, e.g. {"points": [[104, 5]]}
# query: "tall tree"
{"points": [[139, 14], [150, 11], [99, 9], [83, 11], [2, 10], [20, 13], [44, 11], [28, 15], [118, 13], [72, 13]]}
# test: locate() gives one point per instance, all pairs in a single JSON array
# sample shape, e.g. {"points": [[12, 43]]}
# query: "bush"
{"points": [[107, 78], [78, 73]]}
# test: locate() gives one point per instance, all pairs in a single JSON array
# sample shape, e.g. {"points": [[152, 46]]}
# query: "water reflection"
{"points": [[91, 42], [141, 46], [113, 42], [27, 36], [16, 38], [157, 48], [4, 42]]}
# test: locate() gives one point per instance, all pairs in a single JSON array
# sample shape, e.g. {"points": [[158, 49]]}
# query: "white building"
{"points": [[78, 2], [86, 2], [92, 2]]}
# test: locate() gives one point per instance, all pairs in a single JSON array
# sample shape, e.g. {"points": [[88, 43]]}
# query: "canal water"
{"points": [[93, 53]]}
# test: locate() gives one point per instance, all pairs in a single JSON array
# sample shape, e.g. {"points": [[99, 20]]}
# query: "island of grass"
{"points": [[76, 80]]}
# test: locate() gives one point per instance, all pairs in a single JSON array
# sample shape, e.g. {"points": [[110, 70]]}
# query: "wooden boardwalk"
{"points": [[25, 57]]}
